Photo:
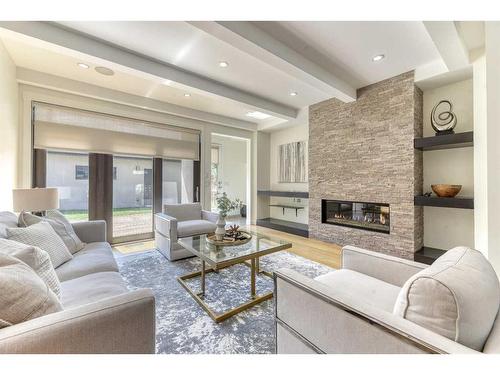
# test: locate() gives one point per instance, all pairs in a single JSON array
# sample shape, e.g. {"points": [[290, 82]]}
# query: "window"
{"points": [[69, 172], [215, 182], [81, 172]]}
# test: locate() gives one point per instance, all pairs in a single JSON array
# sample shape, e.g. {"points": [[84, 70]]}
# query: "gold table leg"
{"points": [[198, 297]]}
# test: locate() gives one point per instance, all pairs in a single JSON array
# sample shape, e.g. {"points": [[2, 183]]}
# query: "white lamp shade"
{"points": [[37, 199]]}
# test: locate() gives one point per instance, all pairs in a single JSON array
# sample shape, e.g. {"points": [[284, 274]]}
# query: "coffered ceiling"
{"points": [[275, 68]]}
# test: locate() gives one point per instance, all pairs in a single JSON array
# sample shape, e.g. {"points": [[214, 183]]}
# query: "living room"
{"points": [[301, 186]]}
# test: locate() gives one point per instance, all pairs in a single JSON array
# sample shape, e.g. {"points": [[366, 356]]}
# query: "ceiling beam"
{"points": [[253, 40], [448, 42], [49, 81], [70, 39]]}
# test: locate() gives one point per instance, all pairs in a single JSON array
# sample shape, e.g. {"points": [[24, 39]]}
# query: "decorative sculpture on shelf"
{"points": [[445, 121]]}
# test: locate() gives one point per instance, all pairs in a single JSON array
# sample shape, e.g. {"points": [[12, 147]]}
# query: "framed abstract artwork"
{"points": [[292, 162]]}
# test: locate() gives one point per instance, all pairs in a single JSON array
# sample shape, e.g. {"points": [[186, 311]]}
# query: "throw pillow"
{"points": [[43, 236], [60, 224], [36, 258], [24, 295]]}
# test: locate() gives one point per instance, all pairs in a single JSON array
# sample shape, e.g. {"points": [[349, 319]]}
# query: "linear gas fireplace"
{"points": [[361, 215]]}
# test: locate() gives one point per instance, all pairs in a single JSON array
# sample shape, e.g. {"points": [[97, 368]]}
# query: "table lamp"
{"points": [[35, 200]]}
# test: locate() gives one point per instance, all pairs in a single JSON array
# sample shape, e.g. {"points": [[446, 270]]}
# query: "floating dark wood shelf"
{"points": [[285, 226], [288, 194], [433, 201], [446, 141], [283, 206], [428, 255]]}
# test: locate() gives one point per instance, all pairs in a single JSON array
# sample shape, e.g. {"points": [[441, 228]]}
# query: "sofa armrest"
{"points": [[90, 231], [387, 268], [120, 324], [210, 216], [166, 225], [328, 320]]}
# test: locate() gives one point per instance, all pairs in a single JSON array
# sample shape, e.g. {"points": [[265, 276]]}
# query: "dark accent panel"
{"points": [[101, 190], [428, 255], [421, 200], [445, 141], [39, 168], [197, 178], [289, 194], [285, 226], [157, 184]]}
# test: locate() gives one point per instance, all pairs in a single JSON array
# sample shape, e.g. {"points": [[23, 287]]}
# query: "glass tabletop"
{"points": [[258, 245]]}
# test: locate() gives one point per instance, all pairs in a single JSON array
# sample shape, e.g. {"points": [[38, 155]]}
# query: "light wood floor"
{"points": [[315, 250]]}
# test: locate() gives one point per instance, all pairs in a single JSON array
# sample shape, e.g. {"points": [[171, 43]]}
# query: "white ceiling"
{"points": [[257, 68]]}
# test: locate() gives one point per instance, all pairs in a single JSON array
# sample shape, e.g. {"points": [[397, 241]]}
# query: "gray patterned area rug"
{"points": [[182, 326]]}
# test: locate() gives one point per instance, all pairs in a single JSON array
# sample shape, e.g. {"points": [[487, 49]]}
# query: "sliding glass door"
{"points": [[132, 198], [178, 181], [69, 173]]}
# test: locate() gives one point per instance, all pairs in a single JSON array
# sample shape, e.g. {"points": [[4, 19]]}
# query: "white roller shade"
{"points": [[70, 129]]}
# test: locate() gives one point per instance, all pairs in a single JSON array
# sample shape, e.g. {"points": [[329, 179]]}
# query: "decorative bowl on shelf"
{"points": [[445, 190]]}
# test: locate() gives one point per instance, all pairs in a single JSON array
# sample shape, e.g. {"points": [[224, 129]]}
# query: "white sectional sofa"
{"points": [[100, 315]]}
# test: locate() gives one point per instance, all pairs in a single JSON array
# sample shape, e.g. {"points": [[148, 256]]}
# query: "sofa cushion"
{"points": [[43, 236], [34, 257], [7, 220], [59, 223], [458, 297], [194, 227], [91, 288], [95, 257], [185, 211], [24, 295], [370, 290]]}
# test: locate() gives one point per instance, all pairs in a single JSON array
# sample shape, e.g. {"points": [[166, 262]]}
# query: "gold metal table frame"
{"points": [[250, 260]]}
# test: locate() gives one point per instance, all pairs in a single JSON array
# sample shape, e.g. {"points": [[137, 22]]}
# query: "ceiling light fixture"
{"points": [[258, 115], [187, 95], [378, 58], [83, 66], [293, 93], [104, 71], [223, 64]]}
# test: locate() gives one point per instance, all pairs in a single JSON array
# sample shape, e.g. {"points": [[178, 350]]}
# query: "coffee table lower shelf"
{"points": [[220, 317]]}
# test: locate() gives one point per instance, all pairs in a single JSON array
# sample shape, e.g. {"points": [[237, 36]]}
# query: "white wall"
{"points": [[445, 228], [9, 107], [233, 166], [294, 134]]}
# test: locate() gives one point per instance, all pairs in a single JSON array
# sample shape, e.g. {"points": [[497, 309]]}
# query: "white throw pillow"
{"points": [[458, 297], [36, 258], [60, 224], [24, 295], [42, 235]]}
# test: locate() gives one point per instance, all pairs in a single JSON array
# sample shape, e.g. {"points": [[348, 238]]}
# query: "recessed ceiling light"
{"points": [[103, 70], [223, 64], [258, 115], [293, 93], [83, 66], [378, 58], [187, 95]]}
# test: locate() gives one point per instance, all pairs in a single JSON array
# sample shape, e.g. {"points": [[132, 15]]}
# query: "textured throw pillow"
{"points": [[34, 257], [60, 224], [43, 236], [24, 295], [457, 296]]}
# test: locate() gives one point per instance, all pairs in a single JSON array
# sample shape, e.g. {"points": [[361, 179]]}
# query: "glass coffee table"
{"points": [[220, 257]]}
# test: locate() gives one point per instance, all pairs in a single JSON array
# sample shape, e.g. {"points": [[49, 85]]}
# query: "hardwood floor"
{"points": [[317, 251]]}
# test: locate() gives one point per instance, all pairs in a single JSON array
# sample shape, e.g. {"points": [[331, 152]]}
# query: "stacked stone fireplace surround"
{"points": [[363, 151]]}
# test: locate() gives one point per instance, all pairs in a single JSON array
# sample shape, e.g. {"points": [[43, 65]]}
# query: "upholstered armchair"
{"points": [[382, 304], [179, 221]]}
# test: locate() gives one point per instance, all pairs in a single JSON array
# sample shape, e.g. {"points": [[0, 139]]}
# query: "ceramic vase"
{"points": [[221, 228]]}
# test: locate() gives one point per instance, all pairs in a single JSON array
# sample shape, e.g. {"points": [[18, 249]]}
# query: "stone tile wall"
{"points": [[363, 151]]}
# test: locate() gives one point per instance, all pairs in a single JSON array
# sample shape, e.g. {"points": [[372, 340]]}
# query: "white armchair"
{"points": [[382, 304], [179, 221]]}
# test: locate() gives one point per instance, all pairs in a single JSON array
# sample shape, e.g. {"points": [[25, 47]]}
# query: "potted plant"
{"points": [[224, 205]]}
